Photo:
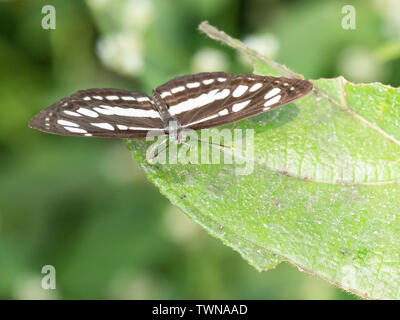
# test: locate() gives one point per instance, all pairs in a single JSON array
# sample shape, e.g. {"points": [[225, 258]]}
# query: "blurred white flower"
{"points": [[134, 286], [267, 44], [359, 64], [29, 287], [390, 10], [209, 60], [138, 13], [122, 53]]}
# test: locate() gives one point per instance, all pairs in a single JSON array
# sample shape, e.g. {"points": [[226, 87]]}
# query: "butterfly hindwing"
{"points": [[100, 113]]}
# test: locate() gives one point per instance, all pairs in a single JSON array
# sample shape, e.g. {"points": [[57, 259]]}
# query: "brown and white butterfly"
{"points": [[195, 101]]}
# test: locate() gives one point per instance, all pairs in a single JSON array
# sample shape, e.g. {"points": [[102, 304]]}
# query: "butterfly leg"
{"points": [[151, 157], [219, 145], [159, 152], [192, 158]]}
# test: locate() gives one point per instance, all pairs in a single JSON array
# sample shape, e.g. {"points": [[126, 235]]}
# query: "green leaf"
{"points": [[324, 192]]}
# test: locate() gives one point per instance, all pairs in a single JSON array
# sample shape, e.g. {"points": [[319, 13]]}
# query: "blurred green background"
{"points": [[83, 205]]}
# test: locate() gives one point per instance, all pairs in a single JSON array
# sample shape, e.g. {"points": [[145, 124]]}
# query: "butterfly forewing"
{"points": [[100, 113], [211, 99]]}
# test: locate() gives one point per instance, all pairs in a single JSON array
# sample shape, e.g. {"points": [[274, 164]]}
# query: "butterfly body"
{"points": [[172, 127], [197, 101]]}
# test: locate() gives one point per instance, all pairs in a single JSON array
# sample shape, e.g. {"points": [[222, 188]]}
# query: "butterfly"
{"points": [[197, 101]]}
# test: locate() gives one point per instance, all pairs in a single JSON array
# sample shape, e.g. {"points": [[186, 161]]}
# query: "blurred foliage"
{"points": [[83, 205]]}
